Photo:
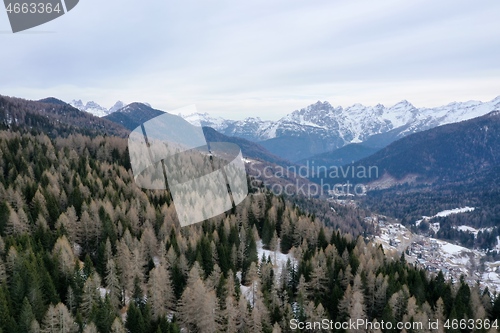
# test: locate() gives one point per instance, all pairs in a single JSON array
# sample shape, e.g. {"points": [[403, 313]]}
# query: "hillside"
{"points": [[452, 166], [348, 154], [133, 115], [444, 154], [53, 117], [84, 249]]}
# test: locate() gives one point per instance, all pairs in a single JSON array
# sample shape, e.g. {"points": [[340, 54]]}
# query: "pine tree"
{"points": [[135, 321], [26, 317]]}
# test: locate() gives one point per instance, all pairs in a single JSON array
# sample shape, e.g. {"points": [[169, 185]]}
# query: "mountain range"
{"points": [[95, 109], [451, 153], [135, 114], [322, 127]]}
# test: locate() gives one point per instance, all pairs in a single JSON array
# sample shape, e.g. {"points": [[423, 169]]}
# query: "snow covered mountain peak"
{"points": [[205, 119], [338, 126], [118, 105], [96, 109]]}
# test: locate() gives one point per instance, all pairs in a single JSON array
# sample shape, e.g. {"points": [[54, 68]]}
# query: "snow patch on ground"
{"points": [[277, 258], [452, 248], [449, 212], [103, 292], [444, 213]]}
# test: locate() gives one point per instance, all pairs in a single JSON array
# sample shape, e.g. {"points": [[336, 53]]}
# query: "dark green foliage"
{"points": [[135, 321], [26, 316], [105, 316]]}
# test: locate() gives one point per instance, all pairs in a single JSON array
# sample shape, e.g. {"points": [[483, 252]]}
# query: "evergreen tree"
{"points": [[135, 321]]}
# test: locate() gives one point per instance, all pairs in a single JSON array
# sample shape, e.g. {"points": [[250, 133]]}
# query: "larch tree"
{"points": [[207, 317], [84, 230], [64, 254], [255, 321], [17, 223], [276, 328], [65, 320], [197, 306], [35, 327], [113, 284], [439, 314], [345, 303], [380, 297], [160, 292], [319, 282], [149, 243], [3, 274], [62, 223], [58, 320], [90, 328], [230, 314], [357, 307], [91, 294], [213, 279], [117, 326], [123, 260]]}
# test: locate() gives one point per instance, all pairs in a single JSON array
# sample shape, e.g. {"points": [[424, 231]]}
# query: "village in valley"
{"points": [[436, 255]]}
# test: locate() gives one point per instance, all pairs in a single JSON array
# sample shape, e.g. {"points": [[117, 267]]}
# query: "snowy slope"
{"points": [[352, 124]]}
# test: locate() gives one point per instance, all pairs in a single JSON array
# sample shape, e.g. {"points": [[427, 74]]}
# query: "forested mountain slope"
{"points": [[451, 166], [82, 249], [443, 154], [53, 117]]}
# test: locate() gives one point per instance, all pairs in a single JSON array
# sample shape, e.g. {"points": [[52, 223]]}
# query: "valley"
{"points": [[109, 246], [436, 255]]}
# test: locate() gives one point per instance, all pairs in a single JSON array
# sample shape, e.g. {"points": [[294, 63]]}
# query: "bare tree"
{"points": [[113, 284], [63, 252], [160, 292]]}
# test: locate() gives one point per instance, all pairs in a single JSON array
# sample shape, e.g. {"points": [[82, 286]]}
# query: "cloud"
{"points": [[258, 57]]}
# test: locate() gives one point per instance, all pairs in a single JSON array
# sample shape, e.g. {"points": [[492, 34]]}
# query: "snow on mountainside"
{"points": [[95, 109], [352, 124], [250, 128], [206, 120]]}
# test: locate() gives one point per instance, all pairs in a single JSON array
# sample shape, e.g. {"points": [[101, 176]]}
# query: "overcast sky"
{"points": [[258, 58]]}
